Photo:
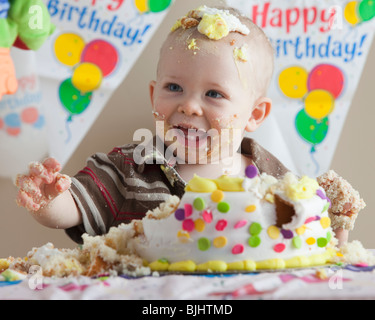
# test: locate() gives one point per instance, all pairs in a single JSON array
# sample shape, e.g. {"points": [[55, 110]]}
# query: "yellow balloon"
{"points": [[293, 82], [319, 104], [350, 12], [87, 77], [68, 48], [142, 5]]}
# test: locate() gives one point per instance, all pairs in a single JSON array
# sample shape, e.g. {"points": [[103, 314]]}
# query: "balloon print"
{"points": [[293, 82], [350, 13], [68, 49], [326, 77], [146, 6], [359, 11], [87, 77], [73, 100], [311, 130], [102, 54], [319, 104]]}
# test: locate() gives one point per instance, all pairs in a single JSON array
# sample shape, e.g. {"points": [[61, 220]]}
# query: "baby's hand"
{"points": [[43, 184]]}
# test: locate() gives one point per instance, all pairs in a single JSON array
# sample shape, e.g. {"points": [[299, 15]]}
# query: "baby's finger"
{"points": [[63, 183], [39, 171], [26, 201], [52, 165], [28, 185]]}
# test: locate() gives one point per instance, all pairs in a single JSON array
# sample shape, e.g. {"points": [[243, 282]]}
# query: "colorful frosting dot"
{"points": [[180, 214], [301, 230], [188, 210], [251, 172], [238, 249], [280, 247], [207, 216], [204, 244], [240, 224], [326, 207], [325, 222], [255, 229], [183, 236], [329, 236], [223, 207], [254, 241], [297, 242], [251, 208], [199, 225], [273, 232], [217, 196], [220, 242], [188, 225], [221, 225], [199, 204], [287, 234], [310, 241], [322, 242]]}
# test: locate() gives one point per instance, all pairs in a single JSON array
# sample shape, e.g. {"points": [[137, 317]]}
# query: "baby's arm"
{"points": [[345, 203], [44, 192]]}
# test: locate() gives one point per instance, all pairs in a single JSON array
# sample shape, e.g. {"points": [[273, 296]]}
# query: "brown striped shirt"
{"points": [[114, 188]]}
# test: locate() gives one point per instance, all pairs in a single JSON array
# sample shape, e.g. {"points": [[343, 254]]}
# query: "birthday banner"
{"points": [[321, 48], [94, 46]]}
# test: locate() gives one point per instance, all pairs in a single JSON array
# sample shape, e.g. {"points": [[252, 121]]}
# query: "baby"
{"points": [[212, 77]]}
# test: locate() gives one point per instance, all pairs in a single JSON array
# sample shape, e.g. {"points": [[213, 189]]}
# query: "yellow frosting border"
{"points": [[245, 265]]}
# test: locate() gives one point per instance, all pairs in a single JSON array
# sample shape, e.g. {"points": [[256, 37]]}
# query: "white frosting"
{"points": [[233, 23], [160, 239]]}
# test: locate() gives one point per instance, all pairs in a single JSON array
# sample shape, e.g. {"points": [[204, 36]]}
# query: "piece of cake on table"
{"points": [[239, 224]]}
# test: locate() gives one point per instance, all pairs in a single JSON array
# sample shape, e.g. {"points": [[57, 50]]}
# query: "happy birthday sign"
{"points": [[320, 50], [95, 44]]}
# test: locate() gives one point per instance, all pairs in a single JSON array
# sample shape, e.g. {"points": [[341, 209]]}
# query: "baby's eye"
{"points": [[214, 94], [174, 87]]}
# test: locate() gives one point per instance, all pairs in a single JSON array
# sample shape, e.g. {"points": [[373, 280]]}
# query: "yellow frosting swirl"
{"points": [[305, 188], [224, 183]]}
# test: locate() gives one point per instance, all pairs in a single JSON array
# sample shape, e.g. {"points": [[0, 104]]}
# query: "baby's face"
{"points": [[202, 92]]}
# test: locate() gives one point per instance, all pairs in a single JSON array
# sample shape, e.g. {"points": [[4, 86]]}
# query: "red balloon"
{"points": [[101, 53], [29, 115], [1, 123], [326, 77]]}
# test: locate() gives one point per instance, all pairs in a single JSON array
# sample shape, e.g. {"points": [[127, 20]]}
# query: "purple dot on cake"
{"points": [[180, 214], [287, 234], [251, 172]]}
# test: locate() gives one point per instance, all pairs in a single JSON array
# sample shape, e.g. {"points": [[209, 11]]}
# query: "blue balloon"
{"points": [[13, 120], [39, 124]]}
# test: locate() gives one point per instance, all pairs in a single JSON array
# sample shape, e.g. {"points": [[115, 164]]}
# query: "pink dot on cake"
{"points": [[207, 216], [188, 225], [280, 247], [238, 249], [221, 225]]}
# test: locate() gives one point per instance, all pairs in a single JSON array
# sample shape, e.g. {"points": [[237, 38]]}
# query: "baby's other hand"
{"points": [[43, 184]]}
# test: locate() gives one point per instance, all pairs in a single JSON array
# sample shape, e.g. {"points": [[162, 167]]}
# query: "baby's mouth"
{"points": [[190, 136]]}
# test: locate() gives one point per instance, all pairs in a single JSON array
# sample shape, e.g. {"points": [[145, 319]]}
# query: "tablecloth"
{"points": [[331, 282]]}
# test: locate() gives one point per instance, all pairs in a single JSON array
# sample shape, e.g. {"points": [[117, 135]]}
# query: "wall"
{"points": [[129, 109]]}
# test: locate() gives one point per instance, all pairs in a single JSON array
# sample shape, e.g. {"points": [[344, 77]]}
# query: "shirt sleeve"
{"points": [[98, 191]]}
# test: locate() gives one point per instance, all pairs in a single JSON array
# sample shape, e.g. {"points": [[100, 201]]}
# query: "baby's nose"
{"points": [[191, 107]]}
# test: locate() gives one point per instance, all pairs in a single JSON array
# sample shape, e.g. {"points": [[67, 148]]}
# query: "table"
{"points": [[331, 282]]}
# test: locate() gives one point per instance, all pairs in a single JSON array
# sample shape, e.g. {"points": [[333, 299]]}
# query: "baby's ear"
{"points": [[261, 110]]}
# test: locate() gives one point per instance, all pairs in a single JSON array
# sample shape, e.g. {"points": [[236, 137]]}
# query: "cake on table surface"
{"points": [[229, 224]]}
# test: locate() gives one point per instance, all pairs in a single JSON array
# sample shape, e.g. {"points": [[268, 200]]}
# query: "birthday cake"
{"points": [[229, 224], [242, 224]]}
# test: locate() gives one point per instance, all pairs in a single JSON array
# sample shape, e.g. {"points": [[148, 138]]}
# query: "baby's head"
{"points": [[213, 74]]}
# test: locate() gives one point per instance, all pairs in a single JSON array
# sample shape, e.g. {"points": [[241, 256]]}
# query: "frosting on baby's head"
{"points": [[201, 29], [212, 22]]}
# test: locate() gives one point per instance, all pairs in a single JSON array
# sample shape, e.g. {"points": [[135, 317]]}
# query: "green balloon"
{"points": [[158, 5], [311, 130], [366, 9], [72, 99]]}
